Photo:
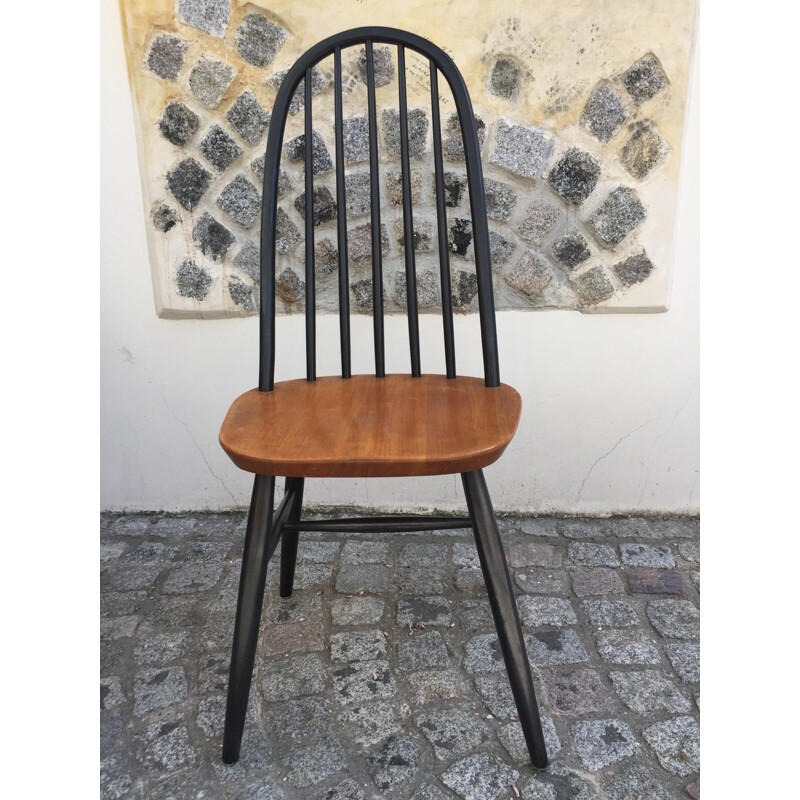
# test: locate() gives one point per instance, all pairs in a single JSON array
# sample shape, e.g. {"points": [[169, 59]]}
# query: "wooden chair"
{"points": [[365, 425]]}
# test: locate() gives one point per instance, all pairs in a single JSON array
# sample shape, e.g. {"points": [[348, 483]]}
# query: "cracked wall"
{"points": [[581, 112]]}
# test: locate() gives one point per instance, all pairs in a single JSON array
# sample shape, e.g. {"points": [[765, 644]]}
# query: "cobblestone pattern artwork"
{"points": [[568, 196], [381, 677]]}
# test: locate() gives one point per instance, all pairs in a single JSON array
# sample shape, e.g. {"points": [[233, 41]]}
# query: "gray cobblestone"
{"points": [[535, 611], [678, 619], [627, 647], [542, 581], [636, 783], [371, 723], [362, 578], [597, 580], [648, 691], [602, 742], [645, 555], [358, 646], [579, 692], [357, 610], [157, 688], [394, 762], [676, 743], [655, 581], [685, 660], [480, 777], [363, 681], [610, 613], [424, 610], [423, 650], [452, 732], [520, 149], [588, 554]]}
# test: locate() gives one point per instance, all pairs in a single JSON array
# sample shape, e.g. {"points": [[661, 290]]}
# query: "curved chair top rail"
{"points": [[439, 61]]}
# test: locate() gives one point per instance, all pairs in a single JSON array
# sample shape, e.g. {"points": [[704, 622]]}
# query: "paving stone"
{"points": [[465, 288], [129, 577], [209, 80], [610, 613], [258, 40], [580, 528], [596, 580], [179, 611], [188, 182], [465, 554], [241, 294], [482, 654], [164, 218], [297, 676], [208, 551], [121, 604], [555, 647], [298, 637], [417, 132], [452, 732], [359, 244], [636, 783], [672, 528], [589, 554], [501, 249], [504, 78], [157, 688], [130, 526], [298, 608], [241, 201], [436, 684], [602, 742], [693, 789], [579, 692], [495, 691], [676, 619], [312, 764], [154, 552], [421, 651], [425, 555], [629, 528], [655, 581], [358, 193], [475, 615], [480, 777], [210, 16], [394, 762], [253, 765], [161, 648], [357, 610], [685, 659], [574, 176], [592, 286], [248, 118], [118, 627], [219, 149], [470, 581], [165, 747], [298, 101], [346, 790], [513, 739], [192, 281], [178, 123], [115, 782], [301, 720], [520, 149], [166, 54], [111, 694], [644, 150], [571, 249], [418, 581], [676, 743], [323, 205], [696, 580], [355, 133], [453, 142], [558, 782], [354, 578], [111, 551], [362, 681], [382, 66], [424, 610], [430, 792], [295, 150], [539, 219], [542, 581], [531, 275], [633, 269], [370, 724], [619, 214], [317, 552], [690, 551], [603, 113], [644, 79], [358, 646], [500, 200], [193, 578], [648, 691], [627, 647], [535, 611]]}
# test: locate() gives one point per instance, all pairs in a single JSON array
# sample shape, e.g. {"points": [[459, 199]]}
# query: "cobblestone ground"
{"points": [[382, 676]]}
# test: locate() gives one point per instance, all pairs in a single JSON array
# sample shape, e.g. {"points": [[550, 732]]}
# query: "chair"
{"points": [[372, 425]]}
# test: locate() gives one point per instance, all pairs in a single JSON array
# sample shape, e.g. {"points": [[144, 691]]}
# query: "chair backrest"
{"points": [[439, 61]]}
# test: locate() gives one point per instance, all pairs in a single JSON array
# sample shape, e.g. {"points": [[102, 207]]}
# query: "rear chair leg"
{"points": [[504, 610], [289, 544], [248, 612]]}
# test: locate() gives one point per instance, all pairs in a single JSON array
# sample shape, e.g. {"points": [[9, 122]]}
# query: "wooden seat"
{"points": [[368, 427]]}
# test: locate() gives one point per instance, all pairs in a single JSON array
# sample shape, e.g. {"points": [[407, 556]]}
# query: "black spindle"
{"points": [[375, 219], [341, 222], [311, 335], [441, 216], [408, 219]]}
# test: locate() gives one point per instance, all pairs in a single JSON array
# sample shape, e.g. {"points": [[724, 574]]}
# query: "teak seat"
{"points": [[372, 425], [368, 427]]}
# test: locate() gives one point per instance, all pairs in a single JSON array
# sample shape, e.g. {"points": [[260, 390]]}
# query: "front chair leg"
{"points": [[504, 610], [248, 612], [294, 490]]}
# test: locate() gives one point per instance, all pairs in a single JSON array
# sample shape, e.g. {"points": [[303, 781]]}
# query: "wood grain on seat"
{"points": [[371, 427]]}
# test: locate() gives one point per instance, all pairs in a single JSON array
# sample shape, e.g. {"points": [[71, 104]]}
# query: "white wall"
{"points": [[610, 402]]}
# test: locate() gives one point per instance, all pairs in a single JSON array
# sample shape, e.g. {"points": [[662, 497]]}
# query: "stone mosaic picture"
{"points": [[581, 115]]}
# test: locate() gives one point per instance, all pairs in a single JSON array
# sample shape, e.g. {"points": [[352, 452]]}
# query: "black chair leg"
{"points": [[504, 610], [248, 612], [290, 538]]}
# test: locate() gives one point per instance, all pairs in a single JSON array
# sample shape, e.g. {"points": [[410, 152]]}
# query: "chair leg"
{"points": [[504, 610], [248, 612], [290, 538]]}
